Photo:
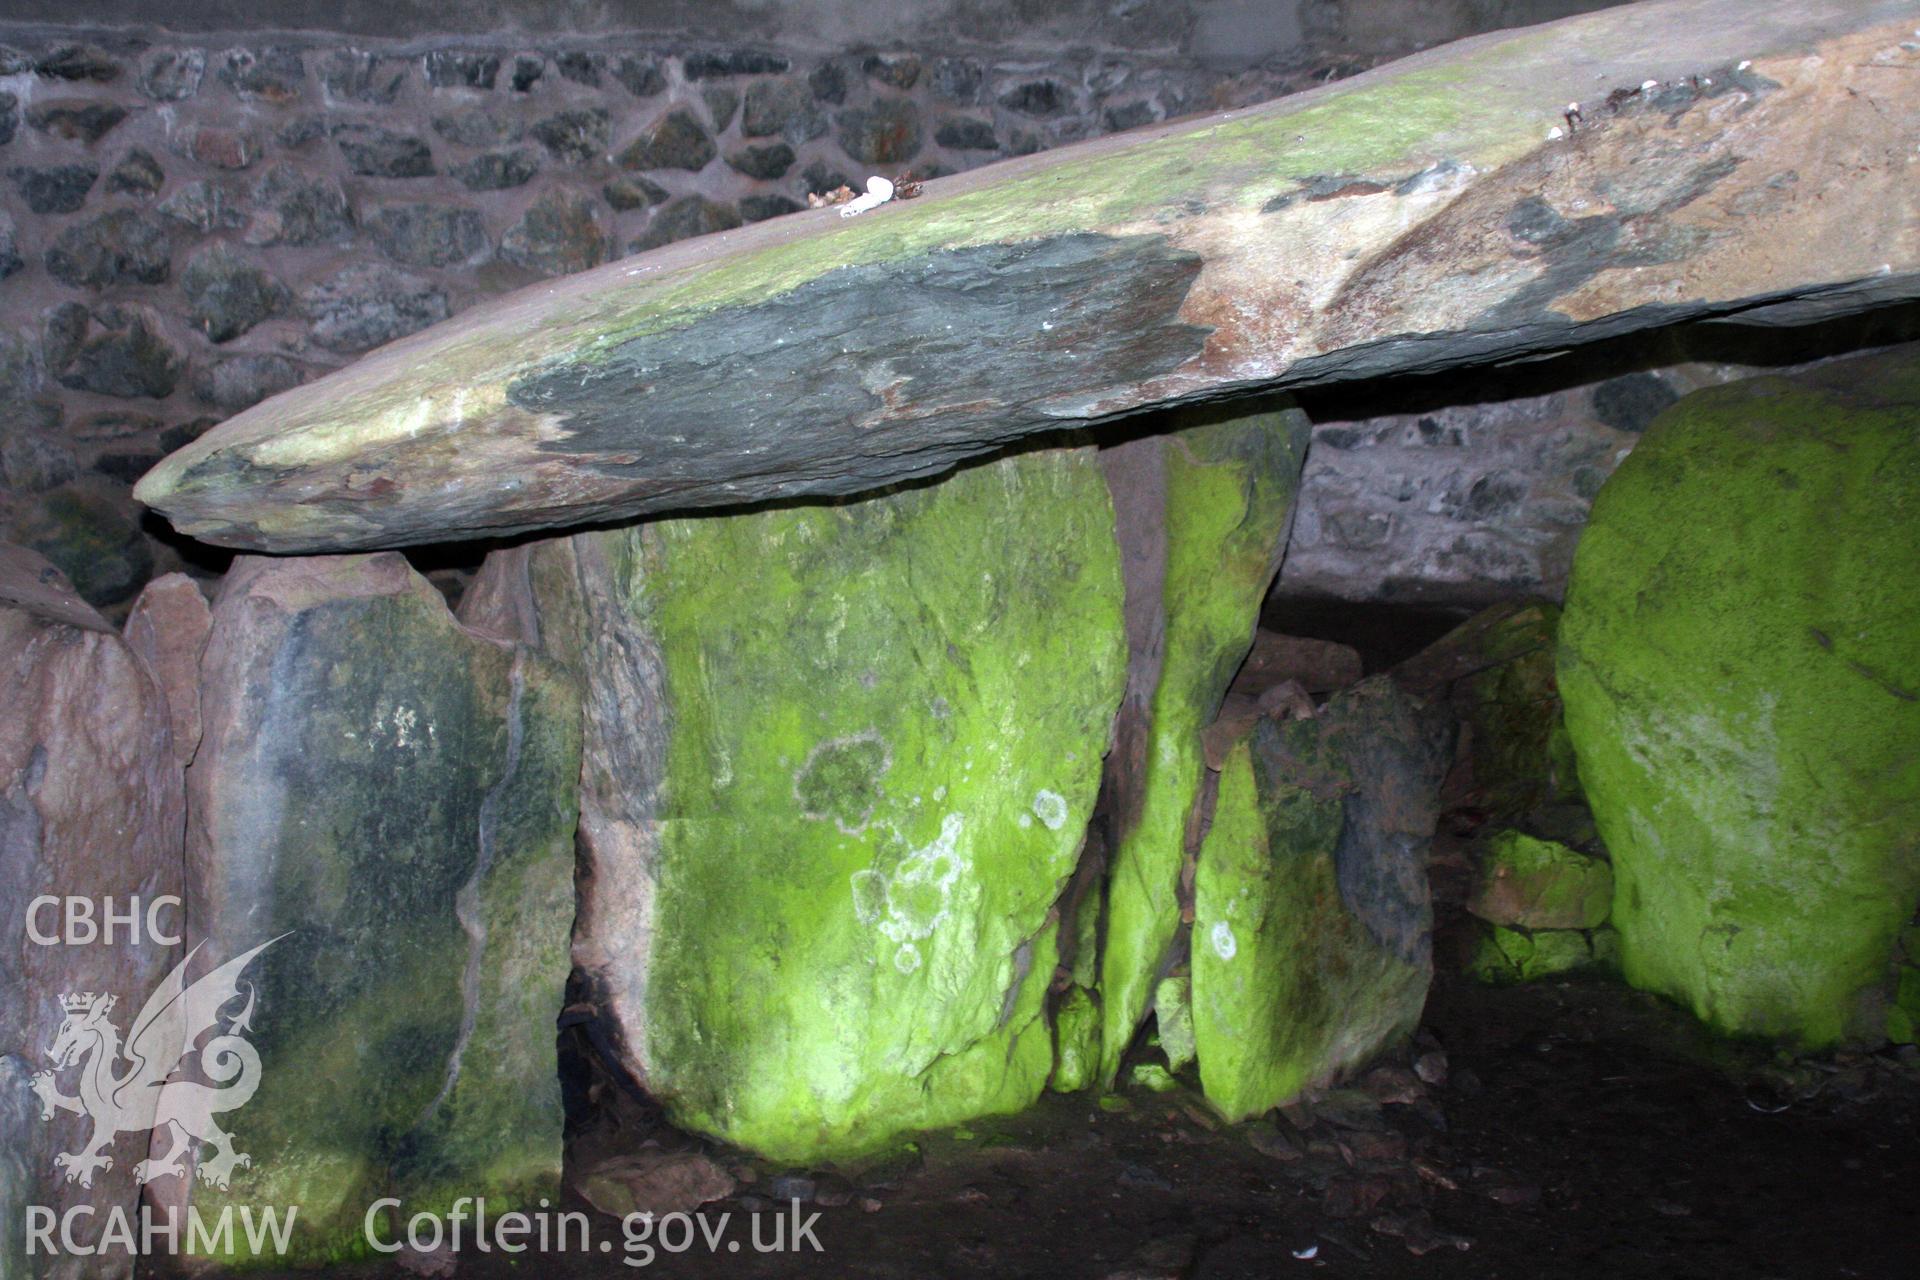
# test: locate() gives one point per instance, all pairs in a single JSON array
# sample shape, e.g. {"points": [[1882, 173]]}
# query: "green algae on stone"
{"points": [[1076, 1038], [1741, 672], [392, 798], [1502, 955], [1173, 1019], [1311, 938], [1227, 506], [874, 785], [1539, 884]]}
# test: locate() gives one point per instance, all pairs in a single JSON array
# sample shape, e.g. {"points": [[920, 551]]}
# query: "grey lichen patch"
{"points": [[841, 780]]}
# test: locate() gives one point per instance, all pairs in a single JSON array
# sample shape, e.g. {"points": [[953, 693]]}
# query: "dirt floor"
{"points": [[1561, 1129]]}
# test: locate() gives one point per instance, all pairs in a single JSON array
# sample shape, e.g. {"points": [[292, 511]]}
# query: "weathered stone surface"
{"points": [[391, 796], [964, 133], [1503, 955], [369, 304], [722, 103], [91, 806], [137, 174], [1540, 884], [113, 351], [90, 537], [217, 148], [173, 75], [355, 75], [766, 162], [1312, 945], [642, 76], [685, 217], [382, 153], [429, 235], [75, 119], [1202, 516], [824, 794], [783, 108], [677, 140], [203, 205], [9, 117], [1415, 217], [1745, 731], [1038, 98], [239, 382], [578, 137], [760, 207], [486, 127], [633, 192], [299, 211], [60, 188], [167, 629], [10, 259], [123, 246], [274, 74], [498, 170], [736, 62], [461, 69], [885, 133], [560, 233], [228, 295]]}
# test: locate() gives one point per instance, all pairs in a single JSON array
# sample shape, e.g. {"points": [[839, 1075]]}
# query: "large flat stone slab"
{"points": [[1439, 211]]}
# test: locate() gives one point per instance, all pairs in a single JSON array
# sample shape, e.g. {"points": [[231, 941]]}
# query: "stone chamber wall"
{"points": [[191, 221]]}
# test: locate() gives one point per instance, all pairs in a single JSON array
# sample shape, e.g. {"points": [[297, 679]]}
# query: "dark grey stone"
{"points": [[958, 80], [782, 108], [367, 304], [764, 162], [964, 133], [78, 62], [721, 103], [239, 382], [1129, 115], [898, 70], [828, 81], [560, 234], [1492, 497], [138, 174], [885, 133], [115, 351], [1632, 401], [202, 205], [375, 152], [674, 141], [173, 75], [124, 246], [76, 119], [576, 137], [498, 170], [226, 295], [461, 69], [1038, 98], [819, 179], [10, 259], [275, 74], [481, 127], [527, 71], [301, 130], [687, 216], [633, 192], [760, 208], [642, 76], [738, 62], [355, 75], [9, 117], [429, 235], [299, 211], [57, 189], [581, 68]]}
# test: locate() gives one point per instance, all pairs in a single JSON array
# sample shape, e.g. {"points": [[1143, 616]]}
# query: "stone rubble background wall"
{"points": [[192, 222]]}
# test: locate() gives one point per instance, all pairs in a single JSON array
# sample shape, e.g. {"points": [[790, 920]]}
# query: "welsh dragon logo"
{"points": [[143, 1096]]}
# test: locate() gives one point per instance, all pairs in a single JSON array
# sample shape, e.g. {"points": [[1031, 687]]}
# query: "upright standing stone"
{"points": [[390, 799], [1312, 946], [1741, 670], [840, 761], [91, 808], [1204, 515]]}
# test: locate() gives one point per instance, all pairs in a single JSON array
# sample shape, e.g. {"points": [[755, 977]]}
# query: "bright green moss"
{"points": [[1076, 1035], [1503, 955], [1229, 501], [1540, 884], [1741, 673], [878, 778]]}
